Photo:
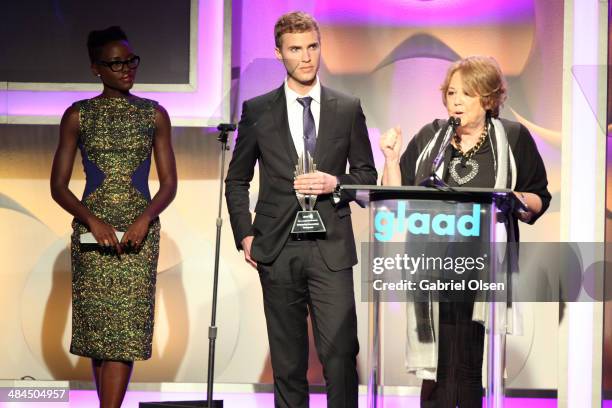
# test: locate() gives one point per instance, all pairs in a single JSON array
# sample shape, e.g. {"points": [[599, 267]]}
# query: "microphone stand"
{"points": [[433, 180], [224, 129]]}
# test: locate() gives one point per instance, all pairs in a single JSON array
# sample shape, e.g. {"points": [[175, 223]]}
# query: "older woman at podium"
{"points": [[473, 148]]}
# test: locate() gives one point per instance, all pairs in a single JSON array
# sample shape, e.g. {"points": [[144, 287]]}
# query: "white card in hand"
{"points": [[88, 237]]}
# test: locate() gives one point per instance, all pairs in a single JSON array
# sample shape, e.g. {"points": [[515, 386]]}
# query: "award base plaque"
{"points": [[307, 222]]}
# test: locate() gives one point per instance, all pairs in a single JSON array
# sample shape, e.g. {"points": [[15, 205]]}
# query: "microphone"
{"points": [[451, 126], [453, 123], [226, 127]]}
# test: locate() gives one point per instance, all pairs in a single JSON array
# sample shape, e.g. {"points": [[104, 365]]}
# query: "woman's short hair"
{"points": [[294, 22], [99, 38], [481, 76]]}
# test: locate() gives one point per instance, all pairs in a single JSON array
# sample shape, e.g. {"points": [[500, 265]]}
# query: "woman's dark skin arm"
{"points": [[166, 171], [63, 162]]}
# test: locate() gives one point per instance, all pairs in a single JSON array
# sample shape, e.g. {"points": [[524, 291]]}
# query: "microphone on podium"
{"points": [[433, 180]]}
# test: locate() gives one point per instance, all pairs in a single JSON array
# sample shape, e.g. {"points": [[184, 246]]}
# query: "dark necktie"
{"points": [[310, 131]]}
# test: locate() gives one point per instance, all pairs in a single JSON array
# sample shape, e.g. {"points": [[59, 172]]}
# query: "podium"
{"points": [[427, 220]]}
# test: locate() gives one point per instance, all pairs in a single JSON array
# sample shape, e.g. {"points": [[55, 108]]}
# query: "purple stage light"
{"points": [[254, 400], [419, 13]]}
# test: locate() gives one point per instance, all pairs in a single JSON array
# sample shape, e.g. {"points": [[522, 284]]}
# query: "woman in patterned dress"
{"points": [[113, 282]]}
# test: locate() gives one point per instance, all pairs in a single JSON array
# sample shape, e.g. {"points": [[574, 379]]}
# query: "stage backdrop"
{"points": [[393, 55]]}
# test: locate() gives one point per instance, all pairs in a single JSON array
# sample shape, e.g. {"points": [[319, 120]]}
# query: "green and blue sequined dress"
{"points": [[113, 298]]}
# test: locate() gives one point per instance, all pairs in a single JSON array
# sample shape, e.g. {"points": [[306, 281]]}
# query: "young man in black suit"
{"points": [[302, 273]]}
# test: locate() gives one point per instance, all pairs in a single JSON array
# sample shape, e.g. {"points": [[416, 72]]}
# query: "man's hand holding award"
{"points": [[308, 184]]}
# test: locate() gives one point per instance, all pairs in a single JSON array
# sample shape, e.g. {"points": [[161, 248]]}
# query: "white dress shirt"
{"points": [[295, 113]]}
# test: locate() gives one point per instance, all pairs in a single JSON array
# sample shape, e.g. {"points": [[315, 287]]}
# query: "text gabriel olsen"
{"points": [[404, 285]]}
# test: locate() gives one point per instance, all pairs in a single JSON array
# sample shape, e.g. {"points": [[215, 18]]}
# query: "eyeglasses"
{"points": [[117, 66]]}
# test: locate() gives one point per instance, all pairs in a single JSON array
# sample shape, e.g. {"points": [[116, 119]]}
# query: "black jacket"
{"points": [[264, 137]]}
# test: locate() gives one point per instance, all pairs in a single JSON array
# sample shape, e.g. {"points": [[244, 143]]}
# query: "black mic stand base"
{"points": [[181, 404]]}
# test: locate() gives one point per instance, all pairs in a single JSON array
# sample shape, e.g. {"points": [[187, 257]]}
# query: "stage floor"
{"points": [[254, 400]]}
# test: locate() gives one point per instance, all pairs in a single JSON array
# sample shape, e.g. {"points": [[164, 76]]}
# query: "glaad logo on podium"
{"points": [[388, 223]]}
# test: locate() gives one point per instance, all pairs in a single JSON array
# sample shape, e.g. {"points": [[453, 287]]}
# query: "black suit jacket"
{"points": [[264, 136]]}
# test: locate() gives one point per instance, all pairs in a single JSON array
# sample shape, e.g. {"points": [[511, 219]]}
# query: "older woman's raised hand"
{"points": [[391, 144]]}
